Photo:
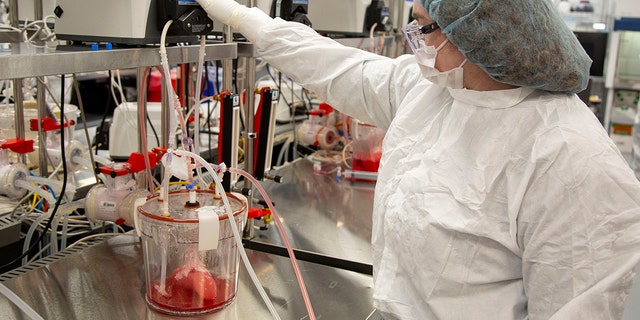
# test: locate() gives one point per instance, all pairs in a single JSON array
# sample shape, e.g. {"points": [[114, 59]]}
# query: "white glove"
{"points": [[228, 12]]}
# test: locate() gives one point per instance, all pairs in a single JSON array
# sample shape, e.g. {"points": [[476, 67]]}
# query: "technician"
{"points": [[499, 195]]}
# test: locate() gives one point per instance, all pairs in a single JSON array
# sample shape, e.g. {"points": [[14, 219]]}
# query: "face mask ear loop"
{"points": [[442, 44], [463, 62]]}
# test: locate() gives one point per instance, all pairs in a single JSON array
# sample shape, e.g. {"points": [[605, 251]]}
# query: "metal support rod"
{"points": [[38, 13], [227, 64], [183, 84], [41, 96], [38, 10], [250, 65], [14, 19], [400, 21], [19, 112], [303, 255], [141, 85]]}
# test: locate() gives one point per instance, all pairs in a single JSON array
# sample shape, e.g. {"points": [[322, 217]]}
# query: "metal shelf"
{"points": [[24, 60], [9, 36]]}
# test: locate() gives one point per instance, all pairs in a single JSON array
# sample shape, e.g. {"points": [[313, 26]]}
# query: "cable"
{"points": [[155, 133], [104, 114], [62, 191], [108, 234]]}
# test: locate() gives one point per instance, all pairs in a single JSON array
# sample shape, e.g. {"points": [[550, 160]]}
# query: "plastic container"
{"points": [[367, 147], [181, 279], [315, 132]]}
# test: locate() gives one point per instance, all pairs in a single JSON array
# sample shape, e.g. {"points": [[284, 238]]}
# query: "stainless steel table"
{"points": [[106, 282], [321, 216]]}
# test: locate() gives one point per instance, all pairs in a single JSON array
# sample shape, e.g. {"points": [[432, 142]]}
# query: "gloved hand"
{"points": [[228, 12]]}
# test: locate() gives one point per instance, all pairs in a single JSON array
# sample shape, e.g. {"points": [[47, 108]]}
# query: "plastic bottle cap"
{"points": [[94, 47]]}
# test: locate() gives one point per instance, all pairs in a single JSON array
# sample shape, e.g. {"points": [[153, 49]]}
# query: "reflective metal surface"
{"points": [[106, 282], [321, 215], [24, 60]]}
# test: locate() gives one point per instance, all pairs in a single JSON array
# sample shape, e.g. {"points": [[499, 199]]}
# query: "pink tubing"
{"points": [[285, 239]]}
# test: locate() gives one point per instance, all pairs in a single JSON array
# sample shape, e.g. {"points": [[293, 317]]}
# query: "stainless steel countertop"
{"points": [[105, 281], [321, 215]]}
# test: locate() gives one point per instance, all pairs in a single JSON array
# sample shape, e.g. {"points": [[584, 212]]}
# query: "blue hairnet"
{"points": [[520, 42]]}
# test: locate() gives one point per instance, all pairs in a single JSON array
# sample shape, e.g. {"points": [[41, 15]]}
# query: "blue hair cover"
{"points": [[519, 42]]}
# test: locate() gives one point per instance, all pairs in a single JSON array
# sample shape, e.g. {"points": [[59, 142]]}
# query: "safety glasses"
{"points": [[414, 33]]}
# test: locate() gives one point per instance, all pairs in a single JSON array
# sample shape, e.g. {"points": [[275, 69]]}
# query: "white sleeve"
{"points": [[364, 85]]}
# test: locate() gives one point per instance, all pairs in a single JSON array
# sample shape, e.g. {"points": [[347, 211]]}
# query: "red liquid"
{"points": [[369, 164], [181, 297]]}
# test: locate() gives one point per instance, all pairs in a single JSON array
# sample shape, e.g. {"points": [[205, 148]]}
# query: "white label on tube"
{"points": [[108, 207], [208, 228]]}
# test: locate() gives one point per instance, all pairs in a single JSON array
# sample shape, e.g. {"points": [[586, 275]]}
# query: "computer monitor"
{"points": [[595, 44]]}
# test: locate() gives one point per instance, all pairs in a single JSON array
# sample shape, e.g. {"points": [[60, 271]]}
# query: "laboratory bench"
{"points": [[326, 221]]}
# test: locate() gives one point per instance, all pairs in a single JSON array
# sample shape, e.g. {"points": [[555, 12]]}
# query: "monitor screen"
{"points": [[595, 44]]}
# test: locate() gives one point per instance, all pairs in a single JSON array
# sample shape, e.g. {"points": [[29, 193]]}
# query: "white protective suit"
{"points": [[510, 204]]}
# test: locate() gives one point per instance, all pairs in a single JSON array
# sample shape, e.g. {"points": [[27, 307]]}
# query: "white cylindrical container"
{"points": [[108, 204], [310, 134], [9, 174]]}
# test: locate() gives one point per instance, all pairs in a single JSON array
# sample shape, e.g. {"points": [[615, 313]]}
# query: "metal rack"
{"points": [[24, 60]]}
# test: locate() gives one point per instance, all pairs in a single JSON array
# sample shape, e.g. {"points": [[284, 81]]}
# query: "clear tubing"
{"points": [[163, 270], [234, 229], [171, 93], [63, 209], [142, 126], [164, 61], [194, 109], [82, 161], [27, 239], [196, 98], [65, 229], [102, 160], [164, 186], [64, 212], [54, 235], [285, 239], [40, 180], [37, 190], [48, 181], [20, 303]]}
